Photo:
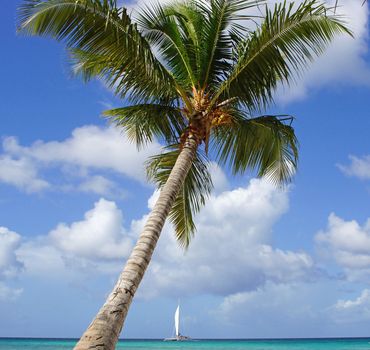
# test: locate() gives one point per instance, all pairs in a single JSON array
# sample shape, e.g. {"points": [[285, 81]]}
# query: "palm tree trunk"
{"points": [[105, 329]]}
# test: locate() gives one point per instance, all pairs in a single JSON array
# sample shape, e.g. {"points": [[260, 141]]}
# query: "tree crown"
{"points": [[194, 68]]}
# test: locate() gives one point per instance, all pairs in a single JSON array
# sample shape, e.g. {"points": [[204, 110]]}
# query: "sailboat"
{"points": [[178, 336]]}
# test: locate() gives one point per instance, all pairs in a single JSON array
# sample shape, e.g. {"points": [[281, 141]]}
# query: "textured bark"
{"points": [[105, 329]]}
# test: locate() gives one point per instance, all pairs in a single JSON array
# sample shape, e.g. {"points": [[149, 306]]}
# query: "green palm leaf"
{"points": [[277, 50], [104, 42], [167, 27], [267, 144], [143, 122], [193, 194], [220, 16]]}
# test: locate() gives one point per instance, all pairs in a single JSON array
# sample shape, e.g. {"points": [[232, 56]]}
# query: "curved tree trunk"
{"points": [[105, 329]]}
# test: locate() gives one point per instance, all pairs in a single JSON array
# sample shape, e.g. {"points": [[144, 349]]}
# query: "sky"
{"points": [[265, 262]]}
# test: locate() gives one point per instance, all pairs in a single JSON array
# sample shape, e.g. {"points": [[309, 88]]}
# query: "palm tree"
{"points": [[198, 74]]}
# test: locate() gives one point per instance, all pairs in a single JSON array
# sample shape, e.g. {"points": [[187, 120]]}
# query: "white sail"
{"points": [[178, 336], [177, 321]]}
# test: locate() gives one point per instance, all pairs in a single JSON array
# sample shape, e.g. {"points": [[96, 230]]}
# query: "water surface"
{"points": [[278, 344]]}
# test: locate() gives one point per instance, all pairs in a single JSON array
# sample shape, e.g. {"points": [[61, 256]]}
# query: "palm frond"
{"points": [[265, 144], [170, 28], [102, 36], [279, 49], [219, 17], [193, 194], [143, 122]]}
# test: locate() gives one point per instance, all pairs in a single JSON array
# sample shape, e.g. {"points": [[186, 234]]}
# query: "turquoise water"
{"points": [[281, 344]]}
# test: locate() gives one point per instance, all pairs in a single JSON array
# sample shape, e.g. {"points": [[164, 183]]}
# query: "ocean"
{"points": [[270, 344]]}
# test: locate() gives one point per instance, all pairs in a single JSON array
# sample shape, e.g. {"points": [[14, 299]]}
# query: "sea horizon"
{"points": [[338, 343], [207, 339]]}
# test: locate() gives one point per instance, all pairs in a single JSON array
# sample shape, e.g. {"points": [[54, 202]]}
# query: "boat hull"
{"points": [[179, 338]]}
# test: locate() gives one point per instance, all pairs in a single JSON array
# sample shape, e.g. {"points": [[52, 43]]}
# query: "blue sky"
{"points": [[264, 263]]}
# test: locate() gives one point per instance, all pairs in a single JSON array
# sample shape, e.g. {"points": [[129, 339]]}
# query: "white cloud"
{"points": [[349, 244], [97, 244], [352, 310], [302, 309], [277, 310], [346, 235], [101, 186], [41, 259], [153, 199], [89, 149], [361, 301], [232, 249], [348, 53], [358, 167], [99, 236], [264, 300], [9, 294], [21, 173], [219, 179], [10, 266]]}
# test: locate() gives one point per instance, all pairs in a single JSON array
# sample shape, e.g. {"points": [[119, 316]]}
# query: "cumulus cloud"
{"points": [[100, 235], [231, 252], [362, 300], [41, 259], [353, 310], [219, 179], [100, 185], [232, 249], [348, 53], [263, 303], [96, 244], [10, 266], [348, 243], [303, 309], [280, 310], [358, 167], [89, 149], [21, 173]]}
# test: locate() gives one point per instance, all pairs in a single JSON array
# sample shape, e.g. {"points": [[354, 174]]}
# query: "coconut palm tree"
{"points": [[199, 75]]}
